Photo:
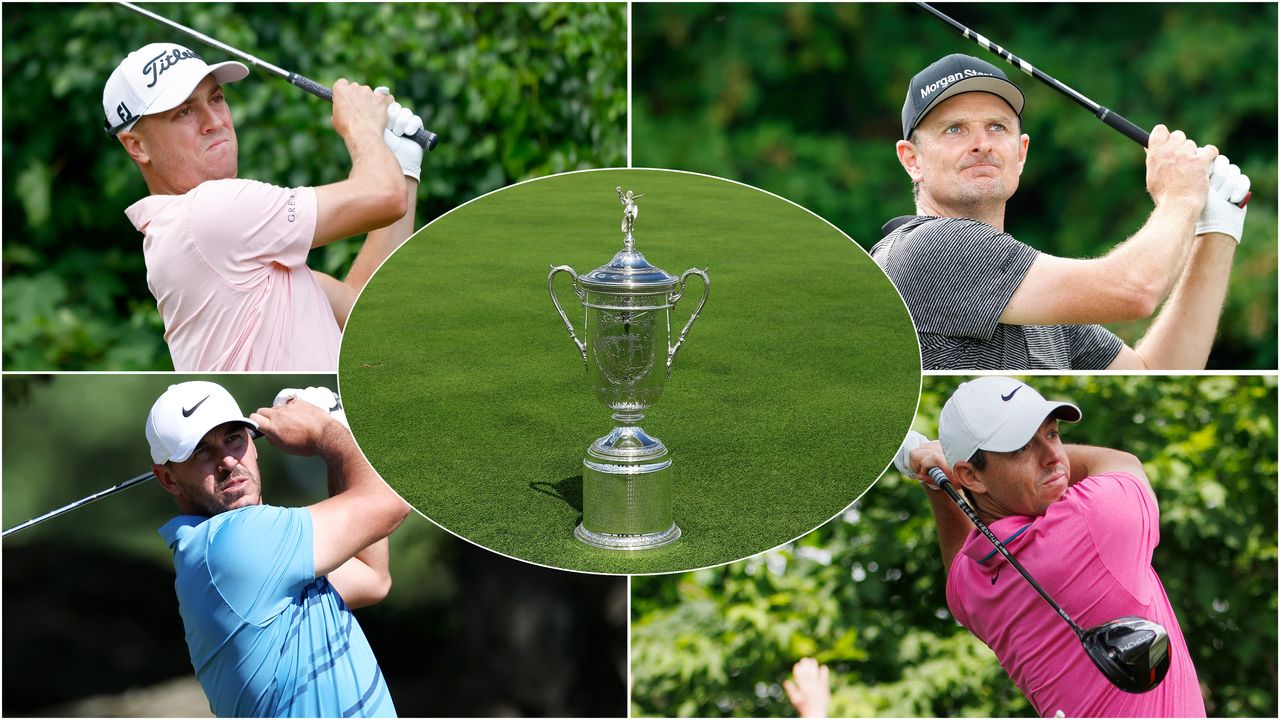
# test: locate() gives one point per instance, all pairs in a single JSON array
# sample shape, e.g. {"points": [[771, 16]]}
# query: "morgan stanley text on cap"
{"points": [[156, 78], [184, 413], [999, 414], [952, 75]]}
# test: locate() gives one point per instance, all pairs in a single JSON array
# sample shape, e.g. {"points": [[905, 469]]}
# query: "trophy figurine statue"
{"points": [[626, 475]]}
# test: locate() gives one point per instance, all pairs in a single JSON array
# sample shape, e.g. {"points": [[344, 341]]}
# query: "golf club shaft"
{"points": [[81, 502], [940, 478], [424, 137], [1114, 120]]}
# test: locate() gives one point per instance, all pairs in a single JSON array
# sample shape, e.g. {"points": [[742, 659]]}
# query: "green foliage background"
{"points": [[805, 100], [514, 90], [865, 593]]}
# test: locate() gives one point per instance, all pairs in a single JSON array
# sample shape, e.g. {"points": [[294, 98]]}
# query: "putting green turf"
{"points": [[787, 400]]}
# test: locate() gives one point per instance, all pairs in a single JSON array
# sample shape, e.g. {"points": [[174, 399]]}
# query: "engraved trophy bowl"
{"points": [[627, 303]]}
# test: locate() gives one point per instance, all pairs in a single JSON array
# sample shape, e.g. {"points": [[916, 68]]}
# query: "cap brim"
{"points": [[183, 452], [1001, 88], [181, 89], [1022, 425]]}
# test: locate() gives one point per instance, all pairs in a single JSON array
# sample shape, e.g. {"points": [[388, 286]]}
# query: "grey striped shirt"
{"points": [[957, 275]]}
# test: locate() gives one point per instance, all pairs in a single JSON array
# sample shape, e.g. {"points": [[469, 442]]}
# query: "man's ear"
{"points": [[966, 476], [136, 146], [909, 157], [166, 479]]}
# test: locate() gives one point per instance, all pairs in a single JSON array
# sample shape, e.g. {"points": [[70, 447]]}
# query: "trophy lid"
{"points": [[629, 269]]}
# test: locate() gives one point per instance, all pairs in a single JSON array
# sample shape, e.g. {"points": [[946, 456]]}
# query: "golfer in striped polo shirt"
{"points": [[266, 592], [982, 300]]}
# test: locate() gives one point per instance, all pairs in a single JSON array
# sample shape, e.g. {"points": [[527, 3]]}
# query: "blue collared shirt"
{"points": [[267, 637]]}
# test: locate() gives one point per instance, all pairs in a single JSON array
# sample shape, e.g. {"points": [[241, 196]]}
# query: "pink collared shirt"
{"points": [[226, 263], [1091, 551]]}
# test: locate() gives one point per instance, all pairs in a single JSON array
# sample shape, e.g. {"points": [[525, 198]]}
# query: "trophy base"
{"points": [[626, 492], [627, 542]]}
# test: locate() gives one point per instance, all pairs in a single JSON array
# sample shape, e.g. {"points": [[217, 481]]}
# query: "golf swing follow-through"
{"points": [[227, 256], [422, 136], [1113, 119], [1079, 525], [1131, 652], [983, 300]]}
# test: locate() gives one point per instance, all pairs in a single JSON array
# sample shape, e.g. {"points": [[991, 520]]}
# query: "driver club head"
{"points": [[1131, 652]]}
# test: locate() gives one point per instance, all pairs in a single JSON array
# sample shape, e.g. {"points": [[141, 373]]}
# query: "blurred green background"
{"points": [[91, 624], [865, 593], [514, 90], [805, 100]]}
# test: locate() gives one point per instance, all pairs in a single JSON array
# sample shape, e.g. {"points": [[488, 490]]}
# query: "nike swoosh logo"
{"points": [[187, 413], [1009, 397]]}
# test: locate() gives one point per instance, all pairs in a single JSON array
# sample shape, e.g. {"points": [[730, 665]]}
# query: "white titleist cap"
{"points": [[184, 413], [156, 78], [999, 414]]}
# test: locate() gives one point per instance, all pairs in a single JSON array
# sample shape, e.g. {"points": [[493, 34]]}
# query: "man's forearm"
{"points": [[1089, 460], [380, 243], [952, 524], [342, 466], [1152, 258], [1182, 334]]}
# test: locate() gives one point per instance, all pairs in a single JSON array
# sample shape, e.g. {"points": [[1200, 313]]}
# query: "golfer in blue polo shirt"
{"points": [[266, 592]]}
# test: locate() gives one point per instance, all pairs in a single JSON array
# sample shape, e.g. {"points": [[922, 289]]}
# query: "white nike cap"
{"points": [[184, 413], [156, 78], [994, 413]]}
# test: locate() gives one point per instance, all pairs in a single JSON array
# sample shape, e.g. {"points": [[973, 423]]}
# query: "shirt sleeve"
{"points": [[260, 558], [957, 275], [1124, 525], [242, 226], [1093, 347]]}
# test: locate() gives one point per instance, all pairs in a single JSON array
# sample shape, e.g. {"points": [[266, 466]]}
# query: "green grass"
{"points": [[786, 402]]}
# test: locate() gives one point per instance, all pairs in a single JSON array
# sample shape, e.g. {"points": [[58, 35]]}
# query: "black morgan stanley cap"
{"points": [[952, 75]]}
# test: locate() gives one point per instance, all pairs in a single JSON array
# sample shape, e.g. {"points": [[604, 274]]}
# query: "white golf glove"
{"points": [[401, 125], [321, 397], [1227, 187], [903, 459]]}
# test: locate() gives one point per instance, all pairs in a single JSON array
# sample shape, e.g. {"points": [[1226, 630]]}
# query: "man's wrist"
{"points": [[1181, 207], [335, 444]]}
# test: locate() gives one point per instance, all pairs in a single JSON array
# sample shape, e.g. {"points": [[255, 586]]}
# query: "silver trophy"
{"points": [[626, 475]]}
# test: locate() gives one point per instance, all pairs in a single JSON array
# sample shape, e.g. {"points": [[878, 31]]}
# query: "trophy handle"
{"points": [[582, 347], [675, 297]]}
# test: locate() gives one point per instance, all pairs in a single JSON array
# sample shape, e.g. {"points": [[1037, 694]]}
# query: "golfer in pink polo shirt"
{"points": [[1082, 520], [226, 257]]}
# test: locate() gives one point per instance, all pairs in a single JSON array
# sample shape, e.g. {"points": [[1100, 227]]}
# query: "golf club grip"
{"points": [[1122, 125], [1138, 135], [423, 137]]}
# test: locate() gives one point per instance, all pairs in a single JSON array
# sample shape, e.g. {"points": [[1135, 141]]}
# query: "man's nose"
{"points": [[981, 141], [1053, 454], [210, 119], [228, 461]]}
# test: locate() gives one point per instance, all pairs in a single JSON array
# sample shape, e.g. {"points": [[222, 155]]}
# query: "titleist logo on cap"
{"points": [[156, 66], [942, 82]]}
